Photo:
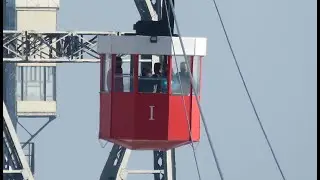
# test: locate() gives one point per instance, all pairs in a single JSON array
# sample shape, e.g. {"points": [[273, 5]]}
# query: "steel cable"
{"points": [[247, 91], [183, 99], [196, 94]]}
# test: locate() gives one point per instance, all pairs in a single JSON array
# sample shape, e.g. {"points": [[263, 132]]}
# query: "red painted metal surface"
{"points": [[148, 121]]}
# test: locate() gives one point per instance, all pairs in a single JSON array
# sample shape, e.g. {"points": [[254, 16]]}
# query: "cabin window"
{"points": [[152, 76], [180, 76], [196, 73], [50, 74], [36, 83], [123, 73], [107, 67]]}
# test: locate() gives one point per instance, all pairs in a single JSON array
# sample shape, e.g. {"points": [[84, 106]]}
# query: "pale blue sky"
{"points": [[275, 42]]}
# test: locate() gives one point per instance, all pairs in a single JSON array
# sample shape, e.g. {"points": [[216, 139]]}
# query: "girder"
{"points": [[60, 46], [15, 165], [148, 10], [116, 165]]}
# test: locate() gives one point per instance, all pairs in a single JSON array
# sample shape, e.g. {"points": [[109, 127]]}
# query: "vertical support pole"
{"points": [[54, 81], [191, 69], [169, 74], [81, 45], [170, 165], [158, 163], [102, 71], [200, 76], [159, 9], [113, 70], [165, 160], [22, 82], [136, 72], [132, 70], [44, 81], [32, 158], [191, 95], [116, 164], [165, 14]]}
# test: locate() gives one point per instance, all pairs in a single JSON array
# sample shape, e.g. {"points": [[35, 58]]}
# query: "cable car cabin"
{"points": [[139, 108]]}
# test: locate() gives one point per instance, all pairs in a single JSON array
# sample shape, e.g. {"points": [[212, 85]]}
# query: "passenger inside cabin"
{"points": [[157, 70], [164, 80], [183, 75], [118, 76], [157, 77], [146, 83]]}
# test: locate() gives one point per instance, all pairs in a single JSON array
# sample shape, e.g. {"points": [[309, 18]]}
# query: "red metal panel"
{"points": [[195, 122], [151, 125], [149, 145], [105, 115], [195, 112], [178, 116], [122, 115]]}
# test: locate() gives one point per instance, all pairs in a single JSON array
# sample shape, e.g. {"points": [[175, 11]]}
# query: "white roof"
{"points": [[142, 45], [38, 3]]}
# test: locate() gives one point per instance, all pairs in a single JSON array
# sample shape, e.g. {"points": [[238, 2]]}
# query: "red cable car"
{"points": [[139, 109]]}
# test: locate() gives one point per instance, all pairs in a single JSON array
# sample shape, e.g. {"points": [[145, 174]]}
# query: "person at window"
{"points": [[118, 76], [164, 81], [146, 83], [157, 70], [157, 77], [183, 75]]}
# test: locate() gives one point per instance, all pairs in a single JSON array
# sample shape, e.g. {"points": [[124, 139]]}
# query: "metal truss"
{"points": [[165, 161], [115, 168], [28, 146], [15, 165], [32, 136], [29, 46], [29, 151], [149, 10]]}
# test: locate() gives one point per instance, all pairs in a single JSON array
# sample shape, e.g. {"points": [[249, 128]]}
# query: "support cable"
{"points": [[183, 99], [247, 90], [196, 94]]}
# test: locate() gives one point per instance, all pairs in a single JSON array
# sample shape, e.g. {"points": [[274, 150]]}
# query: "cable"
{"points": [[183, 100], [247, 90], [196, 94]]}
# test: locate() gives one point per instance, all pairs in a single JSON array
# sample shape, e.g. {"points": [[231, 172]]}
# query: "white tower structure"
{"points": [[36, 88]]}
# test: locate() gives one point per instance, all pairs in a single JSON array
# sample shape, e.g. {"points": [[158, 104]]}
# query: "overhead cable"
{"points": [[183, 99], [247, 91], [196, 94]]}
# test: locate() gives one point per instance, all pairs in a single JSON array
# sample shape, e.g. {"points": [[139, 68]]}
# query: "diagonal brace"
{"points": [[40, 129]]}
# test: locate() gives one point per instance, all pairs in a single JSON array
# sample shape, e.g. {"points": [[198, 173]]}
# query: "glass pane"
{"points": [[40, 79], [33, 83], [123, 75], [32, 86], [107, 74], [196, 74], [181, 78], [152, 74], [19, 83], [49, 83]]}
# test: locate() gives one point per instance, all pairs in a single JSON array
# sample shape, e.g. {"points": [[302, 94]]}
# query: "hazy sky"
{"points": [[275, 42]]}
